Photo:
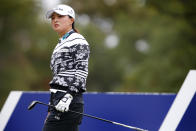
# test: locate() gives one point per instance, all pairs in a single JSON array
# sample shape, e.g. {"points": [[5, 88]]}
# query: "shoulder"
{"points": [[76, 38], [76, 35]]}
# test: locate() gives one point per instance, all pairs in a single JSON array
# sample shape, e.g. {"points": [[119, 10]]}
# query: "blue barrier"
{"points": [[140, 110]]}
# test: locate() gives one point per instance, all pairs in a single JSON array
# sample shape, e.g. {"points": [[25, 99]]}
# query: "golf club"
{"points": [[33, 103]]}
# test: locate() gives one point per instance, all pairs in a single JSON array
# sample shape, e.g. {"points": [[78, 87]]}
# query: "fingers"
{"points": [[62, 107]]}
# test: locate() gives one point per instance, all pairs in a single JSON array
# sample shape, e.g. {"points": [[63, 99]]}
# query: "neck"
{"points": [[61, 34]]}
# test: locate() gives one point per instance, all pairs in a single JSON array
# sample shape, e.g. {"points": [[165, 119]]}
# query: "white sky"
{"points": [[47, 4]]}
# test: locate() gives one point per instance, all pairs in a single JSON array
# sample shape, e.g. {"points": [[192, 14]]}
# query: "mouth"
{"points": [[56, 25]]}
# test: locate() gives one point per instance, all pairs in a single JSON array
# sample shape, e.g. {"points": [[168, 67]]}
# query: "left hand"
{"points": [[64, 103]]}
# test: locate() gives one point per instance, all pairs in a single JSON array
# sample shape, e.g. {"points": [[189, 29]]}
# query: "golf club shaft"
{"points": [[113, 122], [98, 118]]}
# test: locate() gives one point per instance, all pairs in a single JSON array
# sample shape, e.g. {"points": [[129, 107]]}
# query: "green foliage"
{"points": [[166, 30]]}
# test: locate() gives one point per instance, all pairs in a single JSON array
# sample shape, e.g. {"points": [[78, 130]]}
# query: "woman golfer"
{"points": [[69, 65]]}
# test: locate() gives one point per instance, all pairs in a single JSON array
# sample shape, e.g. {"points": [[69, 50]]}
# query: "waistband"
{"points": [[77, 98]]}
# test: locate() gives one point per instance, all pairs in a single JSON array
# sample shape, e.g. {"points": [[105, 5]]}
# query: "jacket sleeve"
{"points": [[80, 55]]}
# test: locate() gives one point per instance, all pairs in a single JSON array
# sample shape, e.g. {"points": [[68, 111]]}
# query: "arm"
{"points": [[81, 56]]}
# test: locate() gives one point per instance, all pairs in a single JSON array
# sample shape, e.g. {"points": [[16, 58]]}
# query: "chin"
{"points": [[56, 30]]}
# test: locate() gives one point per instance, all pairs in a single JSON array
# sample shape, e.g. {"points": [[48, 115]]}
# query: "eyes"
{"points": [[56, 16]]}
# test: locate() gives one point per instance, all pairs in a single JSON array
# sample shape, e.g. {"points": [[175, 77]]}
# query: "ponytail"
{"points": [[73, 27]]}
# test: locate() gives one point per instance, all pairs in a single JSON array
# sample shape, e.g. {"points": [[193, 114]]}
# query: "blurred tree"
{"points": [[15, 19], [136, 45], [23, 60], [171, 39]]}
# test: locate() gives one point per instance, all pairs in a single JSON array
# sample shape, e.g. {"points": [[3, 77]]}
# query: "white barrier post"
{"points": [[180, 104], [9, 107]]}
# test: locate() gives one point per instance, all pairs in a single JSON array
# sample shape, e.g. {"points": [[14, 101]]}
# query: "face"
{"points": [[61, 24]]}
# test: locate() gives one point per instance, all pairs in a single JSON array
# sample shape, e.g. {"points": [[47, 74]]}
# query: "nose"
{"points": [[55, 19]]}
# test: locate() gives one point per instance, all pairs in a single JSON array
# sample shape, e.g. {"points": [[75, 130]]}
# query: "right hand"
{"points": [[64, 103]]}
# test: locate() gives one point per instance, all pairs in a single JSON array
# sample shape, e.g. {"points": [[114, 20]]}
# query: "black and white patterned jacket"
{"points": [[69, 63]]}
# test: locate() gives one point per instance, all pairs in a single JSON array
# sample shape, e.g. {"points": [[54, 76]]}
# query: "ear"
{"points": [[72, 20]]}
